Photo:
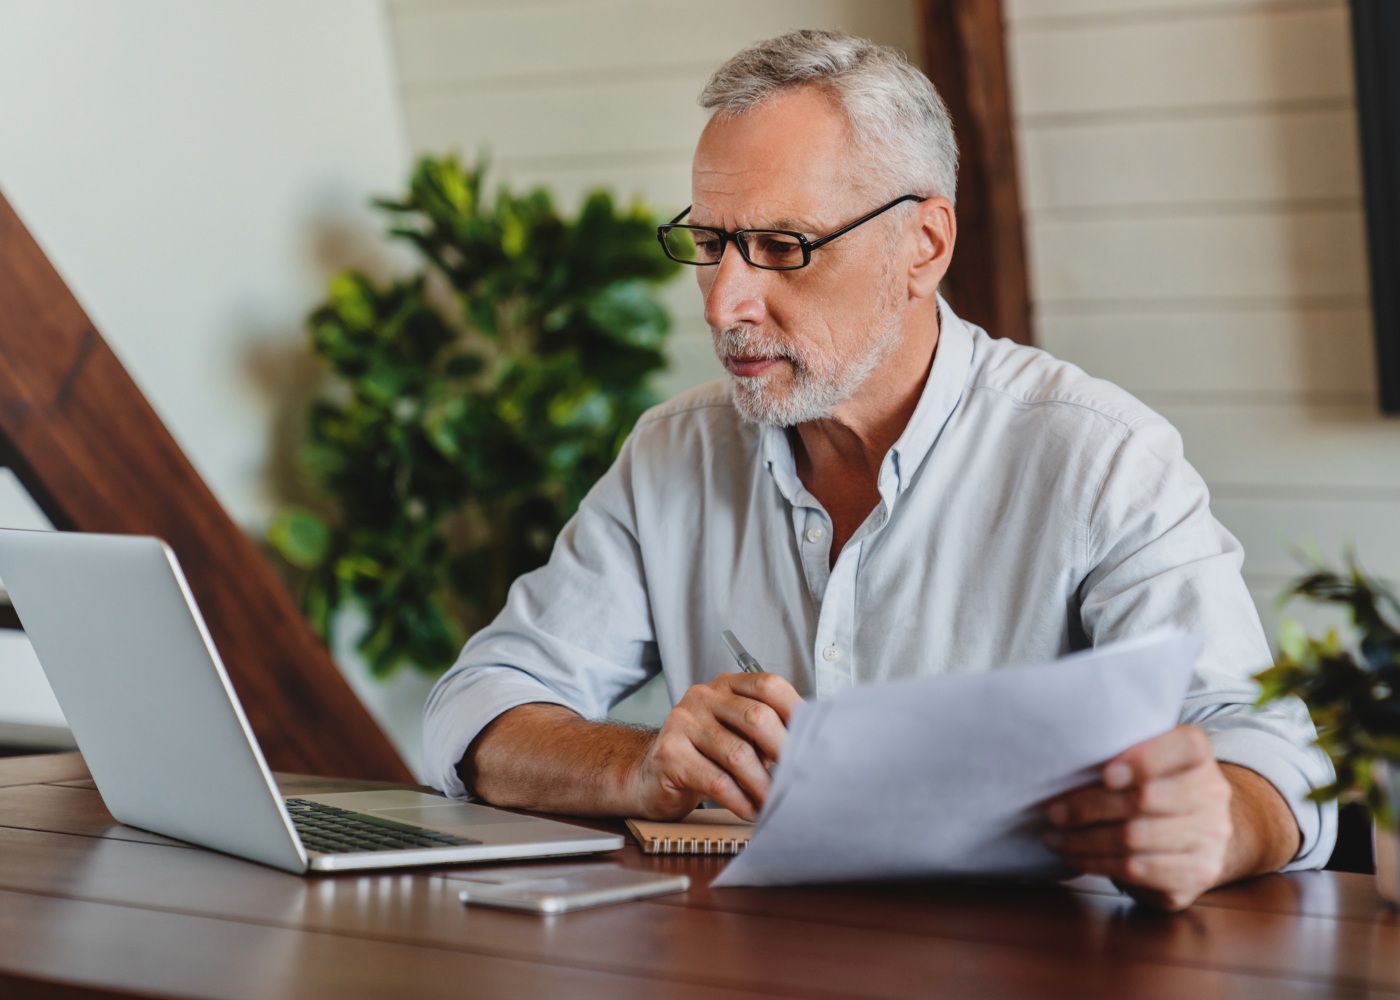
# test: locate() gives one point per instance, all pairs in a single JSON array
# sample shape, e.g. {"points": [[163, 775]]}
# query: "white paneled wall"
{"points": [[1191, 182], [1192, 188], [577, 94], [1258, 54]]}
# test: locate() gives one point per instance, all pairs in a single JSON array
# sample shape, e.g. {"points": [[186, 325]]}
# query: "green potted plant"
{"points": [[469, 407], [1352, 690]]}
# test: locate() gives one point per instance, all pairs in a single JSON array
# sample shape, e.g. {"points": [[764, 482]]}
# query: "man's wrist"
{"points": [[625, 775], [546, 757], [1266, 835]]}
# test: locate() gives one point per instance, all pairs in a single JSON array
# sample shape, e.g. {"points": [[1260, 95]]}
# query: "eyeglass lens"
{"points": [[761, 247]]}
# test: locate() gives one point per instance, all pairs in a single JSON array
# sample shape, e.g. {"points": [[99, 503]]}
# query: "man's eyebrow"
{"points": [[785, 222], [789, 223]]}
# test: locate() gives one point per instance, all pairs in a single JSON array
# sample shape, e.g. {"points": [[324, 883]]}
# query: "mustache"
{"points": [[743, 340]]}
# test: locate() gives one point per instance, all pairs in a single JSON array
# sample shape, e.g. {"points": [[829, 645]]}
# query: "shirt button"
{"points": [[816, 534], [831, 653]]}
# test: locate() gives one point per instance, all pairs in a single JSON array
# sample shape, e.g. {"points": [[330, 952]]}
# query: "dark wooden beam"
{"points": [[1375, 33], [964, 54], [92, 452]]}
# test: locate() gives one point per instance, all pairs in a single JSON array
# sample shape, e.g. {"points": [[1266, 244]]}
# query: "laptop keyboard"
{"points": [[329, 830]]}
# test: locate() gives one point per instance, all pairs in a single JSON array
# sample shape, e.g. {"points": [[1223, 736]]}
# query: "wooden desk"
{"points": [[90, 908]]}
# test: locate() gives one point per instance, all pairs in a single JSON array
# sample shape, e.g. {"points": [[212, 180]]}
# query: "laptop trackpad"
{"points": [[449, 815]]}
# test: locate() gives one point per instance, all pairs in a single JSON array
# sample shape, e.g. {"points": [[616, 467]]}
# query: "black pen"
{"points": [[741, 655]]}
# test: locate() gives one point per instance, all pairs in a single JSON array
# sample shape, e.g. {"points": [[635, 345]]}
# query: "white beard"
{"points": [[819, 383]]}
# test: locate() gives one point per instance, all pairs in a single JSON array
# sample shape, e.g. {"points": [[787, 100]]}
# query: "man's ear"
{"points": [[937, 232]]}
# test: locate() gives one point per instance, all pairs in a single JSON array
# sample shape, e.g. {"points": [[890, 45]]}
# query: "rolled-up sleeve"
{"points": [[1159, 557], [577, 632]]}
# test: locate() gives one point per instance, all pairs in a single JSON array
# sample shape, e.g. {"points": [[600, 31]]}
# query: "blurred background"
{"points": [[1189, 175]]}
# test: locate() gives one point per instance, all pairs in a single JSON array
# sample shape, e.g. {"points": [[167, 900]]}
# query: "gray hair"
{"points": [[889, 105]]}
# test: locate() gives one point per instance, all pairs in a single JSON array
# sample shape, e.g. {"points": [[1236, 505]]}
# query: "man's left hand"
{"points": [[1159, 823]]}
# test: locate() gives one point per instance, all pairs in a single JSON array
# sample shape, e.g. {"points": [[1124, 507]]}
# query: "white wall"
{"points": [[1193, 196], [196, 171]]}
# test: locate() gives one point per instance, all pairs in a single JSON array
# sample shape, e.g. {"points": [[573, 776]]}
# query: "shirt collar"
{"points": [[944, 388], [942, 391]]}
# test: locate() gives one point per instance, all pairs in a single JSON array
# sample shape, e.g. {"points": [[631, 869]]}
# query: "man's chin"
{"points": [[755, 401], [759, 401]]}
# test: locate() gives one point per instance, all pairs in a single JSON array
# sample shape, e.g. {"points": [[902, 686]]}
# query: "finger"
{"points": [[1172, 902], [696, 773], [1176, 750], [1090, 806], [1142, 835], [736, 756], [755, 721], [772, 690], [1170, 796], [1180, 877]]}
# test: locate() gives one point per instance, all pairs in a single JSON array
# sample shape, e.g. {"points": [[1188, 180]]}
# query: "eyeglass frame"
{"points": [[727, 237]]}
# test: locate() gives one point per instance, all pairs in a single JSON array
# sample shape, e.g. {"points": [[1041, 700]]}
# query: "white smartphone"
{"points": [[574, 890]]}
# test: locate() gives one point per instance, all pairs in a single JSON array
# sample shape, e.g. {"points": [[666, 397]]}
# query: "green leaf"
{"points": [[1354, 700], [469, 407], [480, 315], [300, 537], [320, 602], [1293, 640], [1325, 794], [627, 312], [464, 366], [352, 300], [513, 234]]}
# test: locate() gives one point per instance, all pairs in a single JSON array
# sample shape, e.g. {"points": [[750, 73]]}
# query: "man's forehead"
{"points": [[771, 202], [785, 164]]}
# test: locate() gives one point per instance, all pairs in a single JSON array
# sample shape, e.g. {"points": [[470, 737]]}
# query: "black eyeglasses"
{"points": [[770, 249]]}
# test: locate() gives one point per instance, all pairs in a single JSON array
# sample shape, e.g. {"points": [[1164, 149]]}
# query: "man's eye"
{"points": [[707, 248], [775, 244]]}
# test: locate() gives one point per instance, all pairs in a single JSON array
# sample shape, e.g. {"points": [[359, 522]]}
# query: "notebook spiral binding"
{"points": [[694, 845]]}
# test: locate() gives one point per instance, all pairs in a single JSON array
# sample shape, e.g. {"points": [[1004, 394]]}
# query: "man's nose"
{"points": [[733, 291]]}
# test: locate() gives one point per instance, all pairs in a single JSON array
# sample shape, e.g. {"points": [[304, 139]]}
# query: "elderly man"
{"points": [[878, 490]]}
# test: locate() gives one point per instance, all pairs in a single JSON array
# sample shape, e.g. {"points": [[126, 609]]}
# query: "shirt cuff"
{"points": [[1293, 771], [455, 718]]}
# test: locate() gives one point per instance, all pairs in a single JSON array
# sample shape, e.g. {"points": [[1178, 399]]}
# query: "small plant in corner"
{"points": [[470, 407], [1351, 688]]}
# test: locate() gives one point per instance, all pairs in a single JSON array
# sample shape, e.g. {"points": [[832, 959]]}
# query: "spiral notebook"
{"points": [[704, 831]]}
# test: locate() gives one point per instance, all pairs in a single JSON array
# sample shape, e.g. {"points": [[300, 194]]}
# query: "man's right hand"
{"points": [[717, 743]]}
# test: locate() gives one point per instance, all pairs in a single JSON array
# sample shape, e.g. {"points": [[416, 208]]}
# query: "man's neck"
{"points": [[853, 441], [838, 458]]}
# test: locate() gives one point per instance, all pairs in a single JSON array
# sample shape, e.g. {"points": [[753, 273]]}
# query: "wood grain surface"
{"points": [[86, 904]]}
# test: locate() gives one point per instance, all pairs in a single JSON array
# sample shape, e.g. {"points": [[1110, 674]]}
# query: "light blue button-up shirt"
{"points": [[1027, 510]]}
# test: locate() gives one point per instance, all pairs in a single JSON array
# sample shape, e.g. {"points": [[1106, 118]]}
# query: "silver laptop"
{"points": [[126, 651]]}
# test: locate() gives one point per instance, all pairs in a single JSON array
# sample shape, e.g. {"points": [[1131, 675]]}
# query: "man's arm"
{"points": [[576, 634], [1167, 822], [550, 759], [1223, 796], [715, 744]]}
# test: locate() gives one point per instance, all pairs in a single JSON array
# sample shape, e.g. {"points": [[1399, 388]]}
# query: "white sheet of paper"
{"points": [[947, 776]]}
